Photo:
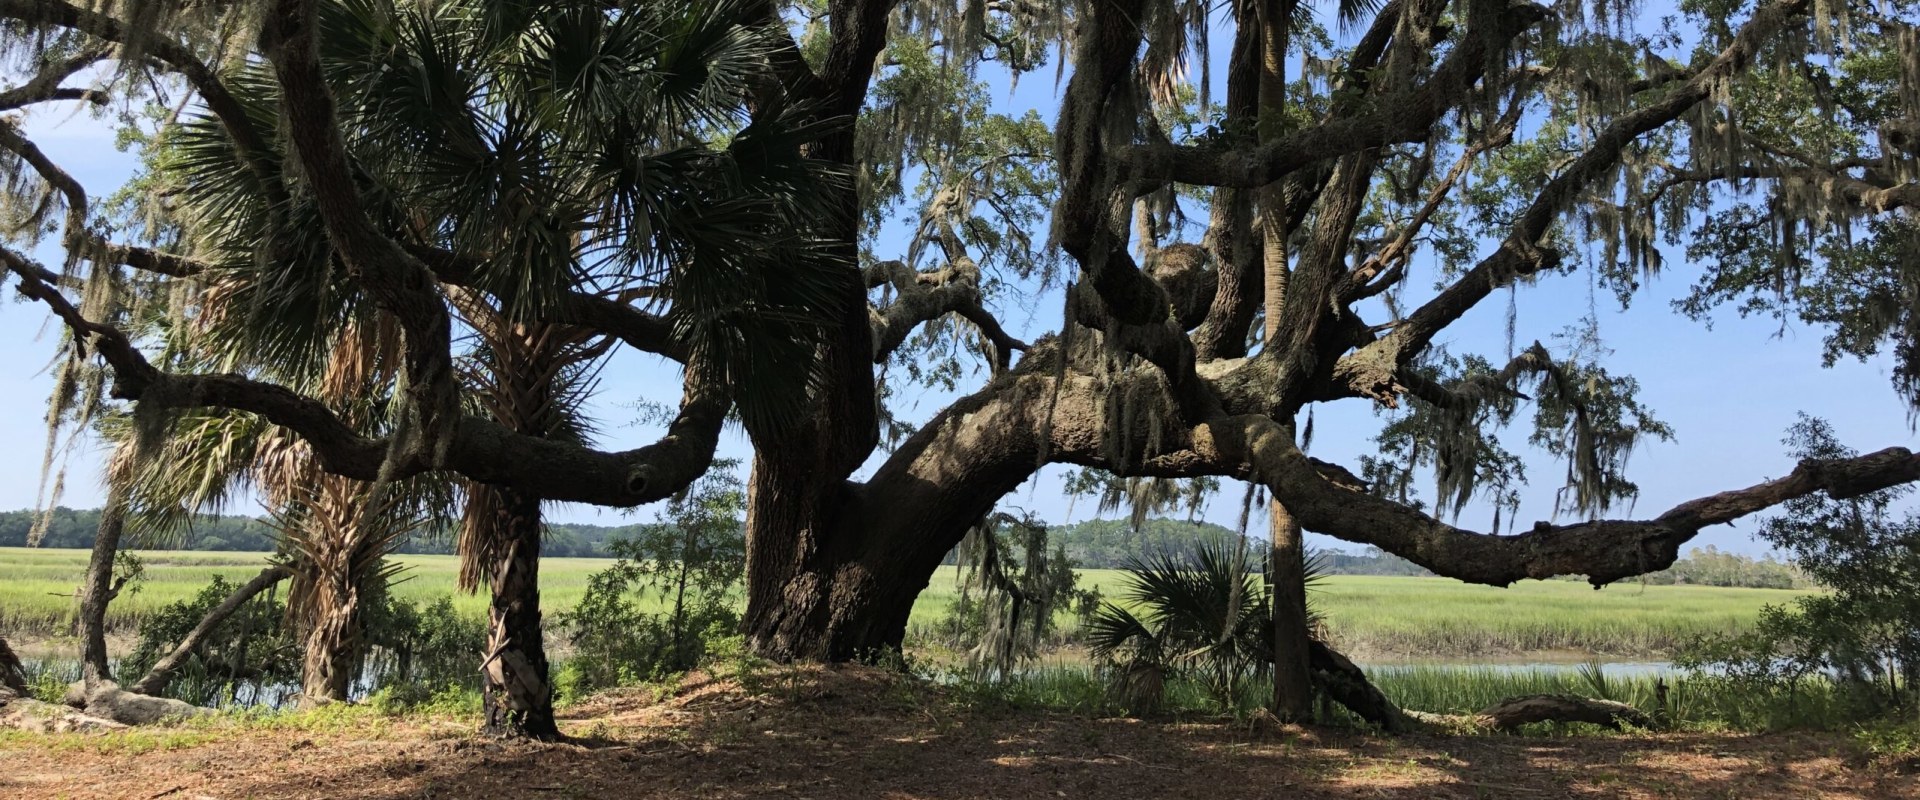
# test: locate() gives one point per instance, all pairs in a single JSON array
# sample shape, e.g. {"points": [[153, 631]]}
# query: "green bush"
{"points": [[688, 566], [419, 698], [431, 645], [251, 649], [254, 656]]}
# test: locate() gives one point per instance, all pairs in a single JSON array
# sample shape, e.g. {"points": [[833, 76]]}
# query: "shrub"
{"points": [[431, 645], [252, 648], [686, 568]]}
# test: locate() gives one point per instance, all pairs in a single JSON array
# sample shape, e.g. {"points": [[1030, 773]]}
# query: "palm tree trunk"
{"points": [[514, 681], [1292, 672], [1292, 667], [332, 647], [98, 590]]}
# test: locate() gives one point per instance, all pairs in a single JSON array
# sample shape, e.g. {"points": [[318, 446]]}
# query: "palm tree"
{"points": [[546, 160], [335, 532], [528, 150], [530, 377]]}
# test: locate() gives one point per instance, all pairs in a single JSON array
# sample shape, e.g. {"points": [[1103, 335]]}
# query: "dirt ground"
{"points": [[854, 733]]}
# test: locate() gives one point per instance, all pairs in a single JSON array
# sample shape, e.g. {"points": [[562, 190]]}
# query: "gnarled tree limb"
{"points": [[1522, 252], [922, 297], [479, 449], [1603, 550]]}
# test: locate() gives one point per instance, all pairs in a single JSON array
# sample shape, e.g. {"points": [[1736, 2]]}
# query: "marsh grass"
{"points": [[1692, 702], [1371, 617]]}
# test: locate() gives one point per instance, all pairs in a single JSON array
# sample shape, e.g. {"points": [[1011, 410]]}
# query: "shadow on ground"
{"points": [[858, 733]]}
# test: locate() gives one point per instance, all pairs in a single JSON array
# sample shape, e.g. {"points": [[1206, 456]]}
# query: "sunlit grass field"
{"points": [[1371, 617]]}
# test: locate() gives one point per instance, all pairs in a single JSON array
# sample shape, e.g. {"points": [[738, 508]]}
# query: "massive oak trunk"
{"points": [[808, 594], [515, 689], [833, 566], [837, 581]]}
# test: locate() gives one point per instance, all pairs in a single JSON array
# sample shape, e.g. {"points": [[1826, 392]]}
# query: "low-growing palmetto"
{"points": [[1201, 614]]}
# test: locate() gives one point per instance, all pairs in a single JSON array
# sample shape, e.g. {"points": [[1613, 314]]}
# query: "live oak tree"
{"points": [[846, 213]]}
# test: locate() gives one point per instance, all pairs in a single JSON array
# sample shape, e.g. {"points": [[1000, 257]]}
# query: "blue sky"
{"points": [[1729, 392]]}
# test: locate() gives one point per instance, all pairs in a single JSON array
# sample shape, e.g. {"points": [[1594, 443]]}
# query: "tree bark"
{"points": [[1286, 564], [157, 678], [98, 590], [1292, 663], [833, 567], [11, 672], [813, 592], [515, 689], [332, 647], [1347, 685]]}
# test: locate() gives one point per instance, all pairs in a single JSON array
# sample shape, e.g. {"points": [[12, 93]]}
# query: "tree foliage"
{"points": [[818, 207]]}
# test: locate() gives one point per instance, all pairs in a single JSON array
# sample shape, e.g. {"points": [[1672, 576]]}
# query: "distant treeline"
{"points": [[1707, 566], [1093, 544], [75, 528]]}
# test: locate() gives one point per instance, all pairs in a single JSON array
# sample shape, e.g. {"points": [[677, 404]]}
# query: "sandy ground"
{"points": [[856, 733]]}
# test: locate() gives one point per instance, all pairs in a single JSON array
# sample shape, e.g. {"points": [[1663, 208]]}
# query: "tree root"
{"points": [[12, 674], [1344, 681], [1347, 685]]}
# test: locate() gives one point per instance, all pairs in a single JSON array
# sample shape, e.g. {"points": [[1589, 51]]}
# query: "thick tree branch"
{"points": [[1114, 295], [396, 281], [44, 86], [1603, 550], [921, 297], [1869, 196], [78, 237], [996, 438], [798, 78], [637, 329], [1370, 370], [252, 145], [476, 448], [1406, 116]]}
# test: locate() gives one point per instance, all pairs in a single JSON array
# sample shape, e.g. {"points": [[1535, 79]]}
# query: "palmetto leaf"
{"points": [[1201, 611]]}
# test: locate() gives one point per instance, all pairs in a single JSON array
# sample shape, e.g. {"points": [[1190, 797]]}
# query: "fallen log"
{"points": [[1514, 712], [157, 678], [108, 701], [27, 714]]}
